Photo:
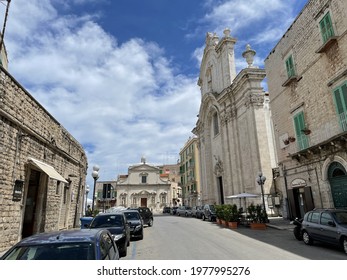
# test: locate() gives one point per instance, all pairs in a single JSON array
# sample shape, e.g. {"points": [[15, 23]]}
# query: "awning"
{"points": [[49, 170]]}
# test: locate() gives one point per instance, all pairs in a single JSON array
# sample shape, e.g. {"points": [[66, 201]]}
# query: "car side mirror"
{"points": [[331, 223]]}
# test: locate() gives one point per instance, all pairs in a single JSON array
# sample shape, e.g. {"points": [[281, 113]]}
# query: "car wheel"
{"points": [[344, 244], [150, 223], [307, 238], [186, 214], [203, 217], [141, 237]]}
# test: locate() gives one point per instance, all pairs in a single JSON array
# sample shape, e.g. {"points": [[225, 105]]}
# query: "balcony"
{"points": [[331, 136]]}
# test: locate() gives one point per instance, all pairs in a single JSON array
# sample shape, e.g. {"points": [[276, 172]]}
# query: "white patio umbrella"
{"points": [[242, 195]]}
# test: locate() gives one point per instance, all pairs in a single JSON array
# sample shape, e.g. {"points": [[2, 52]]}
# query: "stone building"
{"points": [[233, 127], [145, 185], [42, 168], [307, 81], [190, 173]]}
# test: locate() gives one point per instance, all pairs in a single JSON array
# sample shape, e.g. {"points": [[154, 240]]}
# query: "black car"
{"points": [[81, 244], [117, 224], [166, 210], [209, 212], [146, 214], [135, 223]]}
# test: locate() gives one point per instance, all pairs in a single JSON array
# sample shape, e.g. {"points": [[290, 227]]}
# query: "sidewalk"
{"points": [[280, 223]]}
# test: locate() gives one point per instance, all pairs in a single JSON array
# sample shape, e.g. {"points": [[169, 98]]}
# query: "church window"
{"points": [[215, 124]]}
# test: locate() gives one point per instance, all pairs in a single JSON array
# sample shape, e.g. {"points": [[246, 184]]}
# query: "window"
{"points": [[299, 124], [215, 124], [290, 67], [143, 179], [326, 27], [325, 219], [340, 100]]}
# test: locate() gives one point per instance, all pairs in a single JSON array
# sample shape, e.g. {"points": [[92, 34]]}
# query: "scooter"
{"points": [[297, 230]]}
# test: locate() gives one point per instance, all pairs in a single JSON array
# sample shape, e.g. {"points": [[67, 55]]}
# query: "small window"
{"points": [[326, 27], [143, 179], [215, 124], [290, 67]]}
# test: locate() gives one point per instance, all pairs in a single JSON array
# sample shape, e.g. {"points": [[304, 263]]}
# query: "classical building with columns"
{"points": [[146, 185], [234, 125]]}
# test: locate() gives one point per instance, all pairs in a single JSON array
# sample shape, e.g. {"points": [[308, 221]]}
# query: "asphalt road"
{"points": [[182, 238]]}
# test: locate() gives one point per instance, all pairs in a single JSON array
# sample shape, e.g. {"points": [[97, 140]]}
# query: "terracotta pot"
{"points": [[258, 226], [232, 224]]}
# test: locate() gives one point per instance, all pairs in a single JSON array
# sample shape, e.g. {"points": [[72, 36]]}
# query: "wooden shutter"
{"points": [[340, 100], [309, 204], [299, 123], [290, 67], [326, 27]]}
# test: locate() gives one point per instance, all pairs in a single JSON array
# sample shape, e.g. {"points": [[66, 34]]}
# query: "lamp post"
{"points": [[261, 180], [87, 192], [95, 175]]}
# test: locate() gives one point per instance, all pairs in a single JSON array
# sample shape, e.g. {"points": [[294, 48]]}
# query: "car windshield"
{"points": [[59, 251], [107, 221], [132, 216], [341, 217]]}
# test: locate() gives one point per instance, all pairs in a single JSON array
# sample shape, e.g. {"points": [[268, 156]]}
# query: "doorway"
{"points": [[338, 182], [143, 202], [220, 189], [31, 205]]}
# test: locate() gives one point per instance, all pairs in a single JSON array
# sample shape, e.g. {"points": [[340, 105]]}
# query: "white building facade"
{"points": [[234, 125], [145, 185]]}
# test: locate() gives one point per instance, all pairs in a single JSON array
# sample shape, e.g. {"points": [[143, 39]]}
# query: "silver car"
{"points": [[327, 226]]}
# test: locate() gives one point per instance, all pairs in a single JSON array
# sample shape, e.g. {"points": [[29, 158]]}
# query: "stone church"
{"points": [[233, 126], [145, 185]]}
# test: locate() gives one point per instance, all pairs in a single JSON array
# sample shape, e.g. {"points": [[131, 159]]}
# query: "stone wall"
{"points": [[318, 72], [27, 130]]}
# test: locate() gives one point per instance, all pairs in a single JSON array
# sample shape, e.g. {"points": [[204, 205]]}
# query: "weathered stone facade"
{"points": [[234, 128], [42, 168], [307, 81]]}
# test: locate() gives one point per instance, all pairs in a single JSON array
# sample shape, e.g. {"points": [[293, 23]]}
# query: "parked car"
{"points": [[184, 211], [135, 223], [81, 244], [209, 212], [117, 224], [146, 214], [327, 226], [197, 212], [166, 210], [173, 210]]}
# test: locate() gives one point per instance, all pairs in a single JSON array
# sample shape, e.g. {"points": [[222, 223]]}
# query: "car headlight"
{"points": [[118, 236], [138, 227]]}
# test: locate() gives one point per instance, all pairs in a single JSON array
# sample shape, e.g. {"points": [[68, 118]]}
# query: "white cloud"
{"points": [[120, 101]]}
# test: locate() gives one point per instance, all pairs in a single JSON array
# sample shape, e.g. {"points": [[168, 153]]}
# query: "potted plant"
{"points": [[258, 217], [234, 216], [219, 213]]}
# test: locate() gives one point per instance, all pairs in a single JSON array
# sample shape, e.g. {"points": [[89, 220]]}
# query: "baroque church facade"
{"points": [[234, 126]]}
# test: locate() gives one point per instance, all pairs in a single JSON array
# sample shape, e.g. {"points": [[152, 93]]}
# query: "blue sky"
{"points": [[121, 75]]}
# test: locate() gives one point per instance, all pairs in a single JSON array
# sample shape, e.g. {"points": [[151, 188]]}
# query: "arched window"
{"points": [[215, 124]]}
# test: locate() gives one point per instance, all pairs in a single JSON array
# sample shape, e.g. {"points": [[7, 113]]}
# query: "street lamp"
{"points": [[87, 191], [95, 175], [261, 180]]}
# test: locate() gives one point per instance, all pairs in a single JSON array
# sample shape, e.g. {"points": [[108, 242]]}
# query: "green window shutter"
{"points": [[290, 67], [326, 27], [340, 100], [299, 123]]}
